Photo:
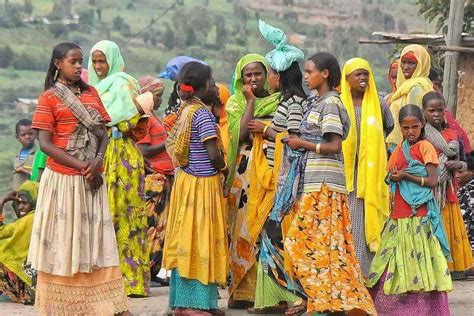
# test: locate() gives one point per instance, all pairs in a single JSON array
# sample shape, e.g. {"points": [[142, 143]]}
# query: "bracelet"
{"points": [[100, 157], [265, 129], [225, 166], [422, 181], [318, 148]]}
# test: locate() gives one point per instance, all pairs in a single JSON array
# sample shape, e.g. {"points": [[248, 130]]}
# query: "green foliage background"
{"points": [[217, 31]]}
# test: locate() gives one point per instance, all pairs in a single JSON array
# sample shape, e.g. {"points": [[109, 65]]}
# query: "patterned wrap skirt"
{"points": [[74, 250], [157, 193], [409, 274], [321, 250]]}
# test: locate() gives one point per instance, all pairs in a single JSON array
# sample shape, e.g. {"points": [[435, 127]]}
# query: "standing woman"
{"points": [[196, 242], [123, 162], [160, 180], [392, 80], [274, 284], [319, 241], [250, 100], [445, 140], [365, 162], [73, 246], [412, 84]]}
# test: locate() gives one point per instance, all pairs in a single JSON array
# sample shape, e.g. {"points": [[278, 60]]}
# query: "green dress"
{"points": [[125, 176]]}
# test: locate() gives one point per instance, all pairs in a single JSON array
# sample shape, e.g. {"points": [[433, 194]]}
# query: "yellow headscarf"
{"points": [[402, 96], [372, 154]]}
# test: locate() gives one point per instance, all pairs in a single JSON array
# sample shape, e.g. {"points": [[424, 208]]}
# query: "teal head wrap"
{"points": [[280, 58]]}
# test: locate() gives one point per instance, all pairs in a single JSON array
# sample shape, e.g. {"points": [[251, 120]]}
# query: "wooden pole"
{"points": [[453, 38]]}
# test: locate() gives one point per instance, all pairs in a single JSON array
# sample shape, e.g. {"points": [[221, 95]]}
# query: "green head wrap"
{"points": [[118, 90], [281, 58], [236, 105], [30, 189]]}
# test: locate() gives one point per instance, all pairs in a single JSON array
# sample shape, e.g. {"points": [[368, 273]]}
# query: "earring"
{"points": [[56, 74]]}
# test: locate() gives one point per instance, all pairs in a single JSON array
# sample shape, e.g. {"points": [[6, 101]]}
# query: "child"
{"points": [[24, 160], [157, 184], [409, 273], [14, 243], [195, 242], [319, 241], [73, 246], [444, 139]]}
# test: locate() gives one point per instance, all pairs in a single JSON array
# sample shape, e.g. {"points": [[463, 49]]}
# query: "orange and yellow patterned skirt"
{"points": [[321, 251]]}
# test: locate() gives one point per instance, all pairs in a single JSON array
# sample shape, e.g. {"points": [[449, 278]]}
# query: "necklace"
{"points": [[69, 84]]}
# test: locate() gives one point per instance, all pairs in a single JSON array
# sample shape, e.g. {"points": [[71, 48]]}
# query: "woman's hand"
{"points": [[256, 126], [91, 169], [248, 92], [397, 176], [293, 141], [453, 165], [10, 197]]}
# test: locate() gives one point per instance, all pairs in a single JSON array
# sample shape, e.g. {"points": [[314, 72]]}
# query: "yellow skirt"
{"points": [[457, 237], [196, 241]]}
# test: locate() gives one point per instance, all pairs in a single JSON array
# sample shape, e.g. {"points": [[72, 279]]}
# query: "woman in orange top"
{"points": [[73, 246]]}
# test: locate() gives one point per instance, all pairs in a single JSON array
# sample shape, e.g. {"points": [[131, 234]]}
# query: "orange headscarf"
{"points": [[224, 95]]}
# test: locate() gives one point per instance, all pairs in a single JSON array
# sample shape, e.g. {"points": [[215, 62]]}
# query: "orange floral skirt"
{"points": [[321, 252]]}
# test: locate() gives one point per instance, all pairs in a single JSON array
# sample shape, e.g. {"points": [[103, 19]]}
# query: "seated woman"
{"points": [[14, 243]]}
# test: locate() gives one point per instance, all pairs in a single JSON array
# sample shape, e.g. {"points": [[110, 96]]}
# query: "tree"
{"points": [[118, 22], [438, 11], [169, 38], [190, 37], [57, 29], [28, 7], [221, 33], [6, 56], [86, 17]]}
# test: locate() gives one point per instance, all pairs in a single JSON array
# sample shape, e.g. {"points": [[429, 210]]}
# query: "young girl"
{"points": [[195, 243], [73, 245], [319, 241], [160, 180], [365, 161], [409, 274], [444, 139]]}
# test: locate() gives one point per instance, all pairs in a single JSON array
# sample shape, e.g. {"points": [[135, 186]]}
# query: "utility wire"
{"points": [[153, 21]]}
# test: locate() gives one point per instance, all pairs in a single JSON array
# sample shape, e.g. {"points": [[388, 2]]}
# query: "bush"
{"points": [[6, 56], [25, 61], [86, 17], [58, 29]]}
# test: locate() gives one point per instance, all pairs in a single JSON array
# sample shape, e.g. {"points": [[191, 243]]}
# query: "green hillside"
{"points": [[218, 31]]}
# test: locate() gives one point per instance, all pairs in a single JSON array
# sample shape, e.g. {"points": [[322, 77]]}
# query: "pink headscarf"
{"points": [[148, 83]]}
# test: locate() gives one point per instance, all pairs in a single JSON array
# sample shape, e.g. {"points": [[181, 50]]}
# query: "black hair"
{"points": [[470, 161], [434, 73], [196, 75], [413, 110], [432, 95], [59, 51], [174, 97], [22, 122], [329, 62], [291, 82], [212, 97]]}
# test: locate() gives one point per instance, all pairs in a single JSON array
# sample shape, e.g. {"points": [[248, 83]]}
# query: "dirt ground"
{"points": [[461, 303]]}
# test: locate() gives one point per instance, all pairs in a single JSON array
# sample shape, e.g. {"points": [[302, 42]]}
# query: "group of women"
{"points": [[288, 199]]}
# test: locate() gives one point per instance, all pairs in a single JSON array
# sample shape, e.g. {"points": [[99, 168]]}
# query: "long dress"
{"points": [[125, 178], [196, 242], [319, 241], [356, 205], [73, 246]]}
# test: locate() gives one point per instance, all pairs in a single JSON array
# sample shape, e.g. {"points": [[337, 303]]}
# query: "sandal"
{"points": [[296, 310], [232, 304], [190, 312]]}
